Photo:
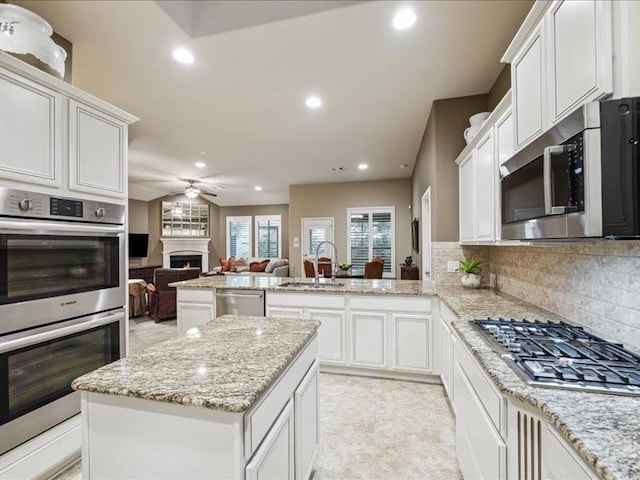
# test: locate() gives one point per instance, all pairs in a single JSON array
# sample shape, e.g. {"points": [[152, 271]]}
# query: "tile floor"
{"points": [[370, 429]]}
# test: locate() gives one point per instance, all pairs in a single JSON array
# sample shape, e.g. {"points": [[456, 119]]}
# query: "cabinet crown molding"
{"points": [[532, 20]]}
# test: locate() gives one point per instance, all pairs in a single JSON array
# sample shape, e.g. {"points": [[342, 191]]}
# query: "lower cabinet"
{"points": [[367, 333], [274, 460], [307, 425], [194, 308], [446, 350]]}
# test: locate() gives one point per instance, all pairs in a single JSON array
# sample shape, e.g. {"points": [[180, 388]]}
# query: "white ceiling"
{"points": [[242, 101]]}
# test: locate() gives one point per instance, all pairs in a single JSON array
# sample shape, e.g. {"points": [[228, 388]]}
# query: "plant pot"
{"points": [[470, 280]]}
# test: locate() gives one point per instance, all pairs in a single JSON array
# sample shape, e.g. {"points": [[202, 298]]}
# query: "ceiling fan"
{"points": [[191, 191]]}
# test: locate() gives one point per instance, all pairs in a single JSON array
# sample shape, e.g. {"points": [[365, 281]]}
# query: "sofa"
{"points": [[162, 297], [263, 267]]}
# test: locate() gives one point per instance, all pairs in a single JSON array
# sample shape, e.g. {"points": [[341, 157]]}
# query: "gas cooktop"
{"points": [[562, 356]]}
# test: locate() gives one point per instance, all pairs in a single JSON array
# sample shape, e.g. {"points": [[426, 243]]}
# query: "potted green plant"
{"points": [[470, 270], [344, 266]]}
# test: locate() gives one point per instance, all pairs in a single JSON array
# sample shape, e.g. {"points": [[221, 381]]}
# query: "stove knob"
{"points": [[101, 212], [25, 204]]}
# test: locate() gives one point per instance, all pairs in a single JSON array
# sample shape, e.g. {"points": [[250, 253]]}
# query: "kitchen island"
{"points": [[227, 401]]}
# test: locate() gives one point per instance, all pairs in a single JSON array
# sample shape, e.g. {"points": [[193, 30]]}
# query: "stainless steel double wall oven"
{"points": [[62, 296]]}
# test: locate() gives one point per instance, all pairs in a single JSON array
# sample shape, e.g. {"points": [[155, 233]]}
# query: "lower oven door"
{"points": [[52, 271], [37, 367]]}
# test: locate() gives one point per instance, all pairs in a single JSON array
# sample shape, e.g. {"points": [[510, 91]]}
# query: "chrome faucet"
{"points": [[317, 272]]}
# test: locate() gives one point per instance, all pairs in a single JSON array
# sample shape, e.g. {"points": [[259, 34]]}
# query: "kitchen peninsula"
{"points": [[227, 401]]}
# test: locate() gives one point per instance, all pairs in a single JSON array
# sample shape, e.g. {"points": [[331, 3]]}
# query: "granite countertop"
{"points": [[223, 365], [604, 429], [350, 285]]}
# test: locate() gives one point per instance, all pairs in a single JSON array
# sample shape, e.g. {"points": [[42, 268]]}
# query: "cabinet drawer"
{"points": [[391, 303], [492, 402], [258, 421], [309, 300], [560, 462], [199, 295]]}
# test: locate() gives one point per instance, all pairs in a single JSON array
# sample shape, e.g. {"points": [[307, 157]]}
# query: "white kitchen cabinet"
{"points": [[580, 67], [285, 312], [97, 151], [411, 342], [194, 307], [307, 426], [527, 85], [559, 461], [274, 460], [504, 137], [331, 335], [30, 131], [485, 178], [446, 344], [369, 339], [467, 182]]}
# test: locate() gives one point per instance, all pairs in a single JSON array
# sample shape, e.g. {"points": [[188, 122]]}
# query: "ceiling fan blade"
{"points": [[209, 194]]}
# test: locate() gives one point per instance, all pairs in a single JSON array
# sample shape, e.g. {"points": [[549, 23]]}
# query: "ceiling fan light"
{"points": [[191, 192]]}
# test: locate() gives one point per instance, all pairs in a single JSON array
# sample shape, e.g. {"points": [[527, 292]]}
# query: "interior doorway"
{"points": [[315, 231], [426, 236]]}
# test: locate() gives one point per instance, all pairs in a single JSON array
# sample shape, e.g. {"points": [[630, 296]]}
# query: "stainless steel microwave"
{"points": [[580, 179]]}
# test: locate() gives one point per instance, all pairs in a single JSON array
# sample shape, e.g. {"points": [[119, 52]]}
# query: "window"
{"points": [[183, 219], [239, 237], [268, 236], [371, 234]]}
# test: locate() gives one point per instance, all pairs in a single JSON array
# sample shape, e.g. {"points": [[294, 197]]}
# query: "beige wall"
{"points": [[500, 87], [155, 245], [138, 216], [253, 210], [333, 199], [435, 165]]}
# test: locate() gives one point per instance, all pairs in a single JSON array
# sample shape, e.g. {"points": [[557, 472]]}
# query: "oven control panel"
{"points": [[21, 203]]}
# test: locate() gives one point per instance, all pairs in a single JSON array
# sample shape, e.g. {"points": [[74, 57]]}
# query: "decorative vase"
{"points": [[27, 36], [408, 261], [470, 280]]}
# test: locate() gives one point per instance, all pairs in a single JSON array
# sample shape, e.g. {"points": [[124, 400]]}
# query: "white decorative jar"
{"points": [[470, 280], [27, 36]]}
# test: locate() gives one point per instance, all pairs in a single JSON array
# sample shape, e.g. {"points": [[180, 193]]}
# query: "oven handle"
{"points": [[58, 332], [549, 209], [41, 227]]}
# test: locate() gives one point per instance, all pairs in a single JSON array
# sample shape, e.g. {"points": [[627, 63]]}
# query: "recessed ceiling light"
{"points": [[404, 165], [363, 166], [404, 19], [313, 102], [183, 55], [257, 188], [201, 164]]}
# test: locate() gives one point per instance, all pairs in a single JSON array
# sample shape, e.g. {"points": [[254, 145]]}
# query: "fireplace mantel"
{"points": [[185, 246]]}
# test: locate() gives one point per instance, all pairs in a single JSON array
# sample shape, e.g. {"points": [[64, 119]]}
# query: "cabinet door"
{"points": [[528, 91], [580, 56], [306, 423], [412, 342], [485, 190], [368, 339], [331, 336], [274, 459], [447, 357], [285, 312], [30, 131], [192, 315], [97, 151], [504, 137], [467, 198], [559, 462]]}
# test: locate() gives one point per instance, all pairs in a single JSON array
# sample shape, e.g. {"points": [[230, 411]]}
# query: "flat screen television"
{"points": [[138, 245]]}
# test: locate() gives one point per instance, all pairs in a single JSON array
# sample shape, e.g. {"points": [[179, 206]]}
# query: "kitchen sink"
{"points": [[312, 285]]}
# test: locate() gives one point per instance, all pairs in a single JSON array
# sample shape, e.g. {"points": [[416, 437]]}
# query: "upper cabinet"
{"points": [[59, 138], [527, 81], [560, 58], [30, 131], [97, 151]]}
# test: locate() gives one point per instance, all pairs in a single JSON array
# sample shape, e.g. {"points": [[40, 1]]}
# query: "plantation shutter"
{"points": [[268, 236], [239, 237], [371, 235], [359, 241], [382, 239]]}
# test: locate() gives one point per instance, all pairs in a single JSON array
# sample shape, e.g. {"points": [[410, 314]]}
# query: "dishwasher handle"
{"points": [[240, 294]]}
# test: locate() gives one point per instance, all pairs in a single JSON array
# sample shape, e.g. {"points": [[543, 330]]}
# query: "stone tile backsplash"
{"points": [[442, 252], [596, 284]]}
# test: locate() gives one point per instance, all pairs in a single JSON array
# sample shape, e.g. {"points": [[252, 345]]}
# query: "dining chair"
{"points": [[324, 266], [374, 268], [309, 269]]}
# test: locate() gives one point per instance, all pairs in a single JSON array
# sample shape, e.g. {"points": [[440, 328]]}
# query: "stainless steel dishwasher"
{"points": [[239, 302]]}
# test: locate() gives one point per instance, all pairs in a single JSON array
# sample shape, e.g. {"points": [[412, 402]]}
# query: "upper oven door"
{"points": [[51, 271]]}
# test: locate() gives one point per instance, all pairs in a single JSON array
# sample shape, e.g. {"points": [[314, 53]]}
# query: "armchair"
{"points": [[162, 300]]}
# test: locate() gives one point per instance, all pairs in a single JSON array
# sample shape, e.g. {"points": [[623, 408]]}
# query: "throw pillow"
{"points": [[275, 263], [254, 267], [263, 265], [243, 268], [225, 264], [233, 263]]}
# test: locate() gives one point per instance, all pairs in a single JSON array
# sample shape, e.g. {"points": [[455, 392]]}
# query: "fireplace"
{"points": [[185, 261]]}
